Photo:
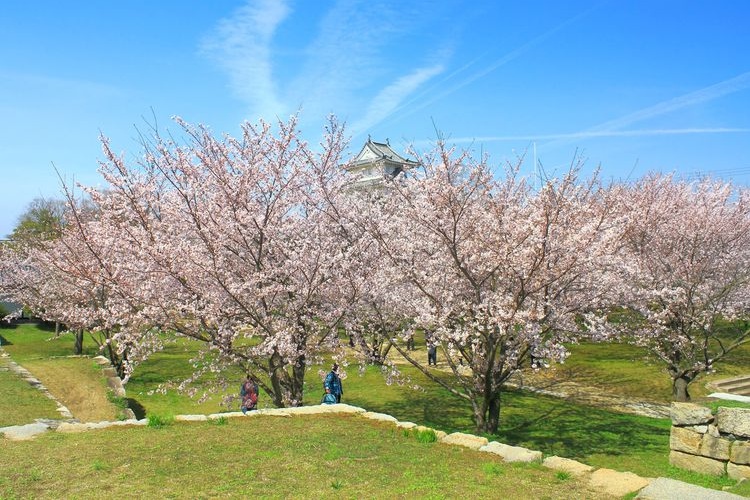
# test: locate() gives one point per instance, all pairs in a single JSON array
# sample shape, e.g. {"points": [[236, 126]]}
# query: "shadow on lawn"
{"points": [[138, 409], [553, 426], [577, 431]]}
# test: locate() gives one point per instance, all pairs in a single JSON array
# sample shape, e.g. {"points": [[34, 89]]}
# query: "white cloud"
{"points": [[705, 94], [241, 45], [391, 97], [600, 133], [343, 68]]}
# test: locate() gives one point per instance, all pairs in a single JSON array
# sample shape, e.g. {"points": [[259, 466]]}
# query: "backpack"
{"points": [[328, 399]]}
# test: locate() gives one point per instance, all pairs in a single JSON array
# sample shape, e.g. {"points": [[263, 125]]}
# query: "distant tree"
{"points": [[42, 220], [66, 278], [683, 273]]}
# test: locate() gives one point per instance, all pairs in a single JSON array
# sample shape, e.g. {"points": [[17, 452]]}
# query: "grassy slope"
{"points": [[629, 371], [76, 382], [20, 403]]}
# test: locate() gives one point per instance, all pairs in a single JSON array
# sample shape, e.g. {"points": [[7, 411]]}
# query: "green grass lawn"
{"points": [[326, 456], [556, 427]]}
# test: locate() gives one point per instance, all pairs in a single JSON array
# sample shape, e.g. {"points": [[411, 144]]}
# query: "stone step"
{"points": [[733, 384], [738, 387]]}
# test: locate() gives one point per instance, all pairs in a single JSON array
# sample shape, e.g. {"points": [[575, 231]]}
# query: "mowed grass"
{"points": [[556, 427], [325, 456]]}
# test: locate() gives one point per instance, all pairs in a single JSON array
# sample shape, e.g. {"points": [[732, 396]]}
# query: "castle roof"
{"points": [[373, 152]]}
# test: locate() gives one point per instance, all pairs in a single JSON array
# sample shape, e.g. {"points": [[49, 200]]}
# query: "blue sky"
{"points": [[633, 86]]}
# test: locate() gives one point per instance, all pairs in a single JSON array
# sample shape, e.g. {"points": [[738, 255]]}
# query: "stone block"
{"points": [[272, 412], [512, 453], [738, 471], [315, 409], [115, 384], [109, 372], [382, 417], [663, 488], [695, 463], [466, 440], [311, 410], [689, 414], [101, 360], [740, 453], [24, 432], [72, 427], [190, 418], [734, 421], [406, 425], [130, 421], [615, 483], [715, 447], [226, 414], [572, 467], [685, 440]]}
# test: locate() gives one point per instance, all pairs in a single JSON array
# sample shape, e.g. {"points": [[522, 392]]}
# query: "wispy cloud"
{"points": [[706, 94], [342, 69], [600, 133], [614, 128], [391, 97], [241, 45], [495, 64]]}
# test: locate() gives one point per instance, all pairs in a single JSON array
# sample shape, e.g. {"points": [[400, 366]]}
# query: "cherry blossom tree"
{"points": [[66, 278], [683, 273], [236, 244], [492, 269]]}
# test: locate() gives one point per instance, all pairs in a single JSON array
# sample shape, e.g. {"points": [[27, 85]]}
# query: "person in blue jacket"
{"points": [[332, 383]]}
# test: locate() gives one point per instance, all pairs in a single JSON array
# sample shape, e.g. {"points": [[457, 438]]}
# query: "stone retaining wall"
{"points": [[711, 444]]}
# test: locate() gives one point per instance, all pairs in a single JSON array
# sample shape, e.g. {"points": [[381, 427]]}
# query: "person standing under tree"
{"points": [[332, 383], [432, 355], [249, 395]]}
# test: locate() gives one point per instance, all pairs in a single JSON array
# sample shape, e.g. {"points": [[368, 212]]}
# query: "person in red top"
{"points": [[249, 395]]}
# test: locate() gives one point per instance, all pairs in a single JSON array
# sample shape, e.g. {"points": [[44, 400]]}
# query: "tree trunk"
{"points": [[78, 346], [274, 369], [487, 414], [115, 360], [287, 389], [680, 388]]}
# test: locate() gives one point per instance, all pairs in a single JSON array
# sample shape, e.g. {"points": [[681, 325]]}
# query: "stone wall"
{"points": [[711, 444]]}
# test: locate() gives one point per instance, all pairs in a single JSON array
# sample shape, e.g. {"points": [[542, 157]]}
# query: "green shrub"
{"points": [[159, 421], [421, 435], [218, 421], [492, 469]]}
